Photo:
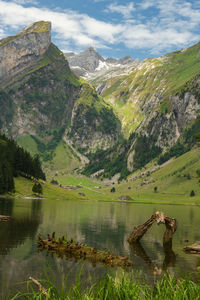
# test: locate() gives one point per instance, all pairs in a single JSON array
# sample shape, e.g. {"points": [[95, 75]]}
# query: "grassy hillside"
{"points": [[163, 76], [174, 181]]}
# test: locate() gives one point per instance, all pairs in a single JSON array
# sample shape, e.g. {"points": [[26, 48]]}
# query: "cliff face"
{"points": [[19, 52], [43, 102]]}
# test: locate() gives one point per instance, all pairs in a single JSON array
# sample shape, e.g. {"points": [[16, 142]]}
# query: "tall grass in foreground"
{"points": [[112, 288]]}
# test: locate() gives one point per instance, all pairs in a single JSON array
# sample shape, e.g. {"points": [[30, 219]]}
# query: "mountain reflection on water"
{"points": [[100, 224], [17, 229]]}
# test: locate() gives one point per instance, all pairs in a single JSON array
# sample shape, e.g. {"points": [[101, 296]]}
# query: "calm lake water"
{"points": [[105, 225]]}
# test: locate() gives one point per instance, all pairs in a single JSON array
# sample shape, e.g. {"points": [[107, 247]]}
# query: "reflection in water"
{"points": [[103, 237], [139, 251], [103, 225], [36, 206], [16, 230], [170, 256], [169, 260], [6, 206]]}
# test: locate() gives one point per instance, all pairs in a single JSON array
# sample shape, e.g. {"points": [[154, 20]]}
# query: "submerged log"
{"points": [[193, 249], [71, 249], [160, 218]]}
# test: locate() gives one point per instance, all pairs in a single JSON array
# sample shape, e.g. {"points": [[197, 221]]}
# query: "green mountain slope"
{"points": [[51, 111], [151, 84], [157, 103]]}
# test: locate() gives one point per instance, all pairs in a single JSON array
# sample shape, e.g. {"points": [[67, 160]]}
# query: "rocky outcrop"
{"points": [[19, 52]]}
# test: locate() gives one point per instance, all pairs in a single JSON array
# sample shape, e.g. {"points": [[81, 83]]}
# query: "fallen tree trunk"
{"points": [[160, 218], [72, 249]]}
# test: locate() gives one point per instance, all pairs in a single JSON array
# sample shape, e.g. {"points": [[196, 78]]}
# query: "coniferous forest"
{"points": [[14, 161]]}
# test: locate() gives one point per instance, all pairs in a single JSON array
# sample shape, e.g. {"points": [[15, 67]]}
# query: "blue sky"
{"points": [[141, 29]]}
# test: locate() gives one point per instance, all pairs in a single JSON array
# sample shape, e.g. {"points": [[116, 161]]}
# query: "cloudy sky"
{"points": [[141, 29]]}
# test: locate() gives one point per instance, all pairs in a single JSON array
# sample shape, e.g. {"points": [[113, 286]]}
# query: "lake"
{"points": [[105, 225]]}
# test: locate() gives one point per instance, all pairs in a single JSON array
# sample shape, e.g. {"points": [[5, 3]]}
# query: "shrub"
{"points": [[192, 193], [53, 181], [198, 172], [112, 190]]}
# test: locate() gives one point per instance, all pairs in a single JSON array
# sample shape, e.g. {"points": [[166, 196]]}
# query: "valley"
{"points": [[174, 181], [140, 115]]}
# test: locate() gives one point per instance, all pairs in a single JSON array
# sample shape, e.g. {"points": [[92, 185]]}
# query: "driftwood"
{"points": [[193, 249], [160, 218], [71, 249], [4, 218]]}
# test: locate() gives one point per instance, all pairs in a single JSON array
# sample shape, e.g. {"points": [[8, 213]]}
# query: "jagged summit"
{"points": [[86, 61], [19, 52], [89, 63]]}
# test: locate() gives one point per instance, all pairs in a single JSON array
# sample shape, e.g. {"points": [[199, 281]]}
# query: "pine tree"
{"points": [[37, 188]]}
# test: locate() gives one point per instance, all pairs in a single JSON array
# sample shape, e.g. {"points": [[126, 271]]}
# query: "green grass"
{"points": [[173, 184], [115, 288], [63, 160], [23, 188], [28, 143]]}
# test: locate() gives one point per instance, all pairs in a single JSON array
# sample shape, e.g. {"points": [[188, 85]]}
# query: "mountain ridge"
{"points": [[49, 102], [144, 108], [89, 63]]}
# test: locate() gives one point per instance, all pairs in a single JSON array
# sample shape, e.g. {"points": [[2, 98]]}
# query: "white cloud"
{"points": [[176, 24], [79, 28], [124, 10], [147, 4]]}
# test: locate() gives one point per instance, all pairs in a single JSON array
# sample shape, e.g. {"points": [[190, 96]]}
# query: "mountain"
{"points": [[47, 108], [89, 64], [158, 104], [143, 111]]}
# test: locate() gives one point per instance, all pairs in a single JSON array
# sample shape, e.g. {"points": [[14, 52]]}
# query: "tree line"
{"points": [[15, 161]]}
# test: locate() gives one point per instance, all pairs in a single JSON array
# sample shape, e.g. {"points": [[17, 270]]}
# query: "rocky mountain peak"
{"points": [[90, 64], [19, 52], [92, 52], [86, 61], [40, 26]]}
